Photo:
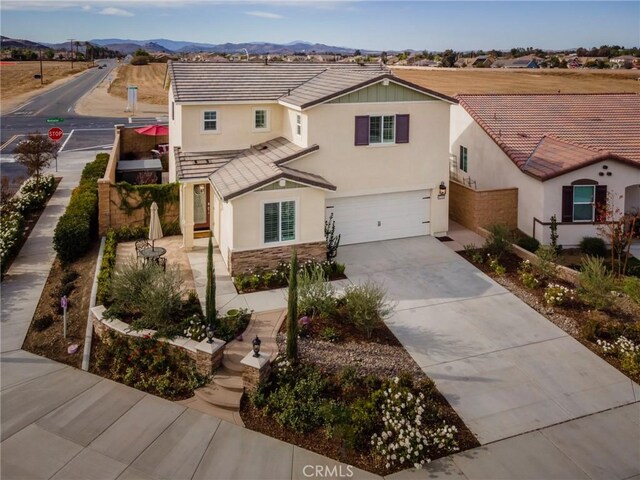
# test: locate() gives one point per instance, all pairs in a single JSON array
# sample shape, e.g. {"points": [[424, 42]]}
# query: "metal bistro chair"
{"points": [[162, 263], [141, 245]]}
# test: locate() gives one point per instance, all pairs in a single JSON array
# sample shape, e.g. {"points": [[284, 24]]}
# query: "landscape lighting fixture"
{"points": [[442, 191], [210, 331], [256, 346]]}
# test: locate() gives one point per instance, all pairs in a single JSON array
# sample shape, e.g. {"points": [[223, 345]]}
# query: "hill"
{"points": [[8, 43]]}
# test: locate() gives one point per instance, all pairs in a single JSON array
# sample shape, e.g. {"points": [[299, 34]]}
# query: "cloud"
{"points": [[257, 13], [118, 12], [86, 8]]}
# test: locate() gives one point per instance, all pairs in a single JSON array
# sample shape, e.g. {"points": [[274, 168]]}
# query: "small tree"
{"points": [[210, 300], [333, 242], [554, 234], [617, 228], [292, 311], [36, 153]]}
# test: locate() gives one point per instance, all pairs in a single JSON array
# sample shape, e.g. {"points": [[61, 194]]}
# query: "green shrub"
{"points": [[148, 295], [42, 323], [106, 267], [499, 240], [631, 286], [316, 296], [232, 324], [595, 283], [366, 306], [140, 60], [546, 265], [497, 268], [329, 334], [528, 243], [593, 246], [526, 275], [76, 227]]}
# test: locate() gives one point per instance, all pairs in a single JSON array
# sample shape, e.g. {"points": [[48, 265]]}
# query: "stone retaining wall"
{"points": [[268, 258], [482, 208], [208, 356]]}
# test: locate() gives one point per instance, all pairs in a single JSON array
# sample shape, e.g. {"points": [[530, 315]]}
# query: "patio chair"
{"points": [[141, 245], [162, 262]]}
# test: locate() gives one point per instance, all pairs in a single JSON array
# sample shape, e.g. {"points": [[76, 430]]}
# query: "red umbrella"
{"points": [[153, 130]]}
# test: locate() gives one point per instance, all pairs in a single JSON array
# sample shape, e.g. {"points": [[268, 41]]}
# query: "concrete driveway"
{"points": [[502, 366]]}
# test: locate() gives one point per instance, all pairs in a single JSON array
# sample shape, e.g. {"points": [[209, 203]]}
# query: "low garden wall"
{"points": [[269, 258], [481, 208], [208, 356], [562, 272]]}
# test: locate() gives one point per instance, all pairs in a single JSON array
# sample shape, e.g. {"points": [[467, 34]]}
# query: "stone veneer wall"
{"points": [[482, 208], [269, 258]]}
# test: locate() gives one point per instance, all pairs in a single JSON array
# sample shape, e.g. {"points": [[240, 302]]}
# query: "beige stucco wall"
{"points": [[622, 176], [235, 127], [492, 169], [248, 217], [374, 169], [175, 135], [225, 239]]}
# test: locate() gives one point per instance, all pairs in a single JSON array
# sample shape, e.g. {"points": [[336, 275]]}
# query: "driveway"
{"points": [[502, 366]]}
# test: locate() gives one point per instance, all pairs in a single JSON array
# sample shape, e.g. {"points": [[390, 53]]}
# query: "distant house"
{"points": [[522, 62], [623, 60], [574, 63], [265, 153], [562, 153]]}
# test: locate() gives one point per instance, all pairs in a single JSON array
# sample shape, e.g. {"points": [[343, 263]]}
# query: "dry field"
{"points": [[453, 81], [16, 78], [148, 79]]}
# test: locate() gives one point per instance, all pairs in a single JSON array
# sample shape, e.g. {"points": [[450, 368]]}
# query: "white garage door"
{"points": [[370, 218]]}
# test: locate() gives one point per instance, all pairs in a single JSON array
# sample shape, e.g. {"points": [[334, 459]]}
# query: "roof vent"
{"points": [[263, 147], [523, 135]]}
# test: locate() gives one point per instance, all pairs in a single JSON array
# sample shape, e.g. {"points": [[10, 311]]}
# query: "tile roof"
{"points": [[577, 129], [260, 165], [297, 84], [233, 173]]}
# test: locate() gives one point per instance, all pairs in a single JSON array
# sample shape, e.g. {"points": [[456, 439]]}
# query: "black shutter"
{"points": [[567, 204], [601, 202], [362, 130], [402, 128]]}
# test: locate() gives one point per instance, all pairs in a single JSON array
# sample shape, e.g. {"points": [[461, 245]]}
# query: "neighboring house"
{"points": [[562, 152], [625, 60], [481, 61], [522, 62], [574, 63], [265, 153]]}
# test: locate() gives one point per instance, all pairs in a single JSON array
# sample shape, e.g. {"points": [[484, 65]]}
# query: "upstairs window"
{"points": [[210, 121], [381, 129], [260, 120], [299, 124], [463, 159]]}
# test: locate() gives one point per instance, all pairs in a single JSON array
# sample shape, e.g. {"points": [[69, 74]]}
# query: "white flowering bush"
{"points": [[406, 440], [195, 329], [621, 347], [494, 265], [11, 231], [527, 276], [557, 295]]}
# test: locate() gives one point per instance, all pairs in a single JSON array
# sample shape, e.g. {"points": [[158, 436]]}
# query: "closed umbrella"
{"points": [[155, 230]]}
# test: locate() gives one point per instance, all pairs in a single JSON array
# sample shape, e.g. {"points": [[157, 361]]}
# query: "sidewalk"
{"points": [[25, 279]]}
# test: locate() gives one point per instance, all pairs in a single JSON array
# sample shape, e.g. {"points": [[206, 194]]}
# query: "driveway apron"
{"points": [[501, 365]]}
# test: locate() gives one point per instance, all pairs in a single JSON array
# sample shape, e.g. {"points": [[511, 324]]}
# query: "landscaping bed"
{"points": [[351, 391], [603, 313], [48, 340]]}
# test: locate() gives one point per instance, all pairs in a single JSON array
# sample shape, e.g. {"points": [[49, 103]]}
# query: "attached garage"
{"points": [[370, 218]]}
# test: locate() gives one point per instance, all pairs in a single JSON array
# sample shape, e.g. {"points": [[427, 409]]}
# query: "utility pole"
{"points": [[71, 42], [41, 79]]}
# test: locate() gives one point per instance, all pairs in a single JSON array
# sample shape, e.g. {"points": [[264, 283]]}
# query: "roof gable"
{"points": [[378, 92]]}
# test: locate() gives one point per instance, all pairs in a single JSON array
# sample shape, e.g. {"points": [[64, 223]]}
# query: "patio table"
{"points": [[152, 254]]}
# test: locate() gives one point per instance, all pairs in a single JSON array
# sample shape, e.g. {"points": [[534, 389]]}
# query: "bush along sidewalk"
{"points": [[16, 212], [78, 225]]}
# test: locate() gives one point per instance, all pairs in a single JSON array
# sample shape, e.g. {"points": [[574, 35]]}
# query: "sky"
{"points": [[375, 25]]}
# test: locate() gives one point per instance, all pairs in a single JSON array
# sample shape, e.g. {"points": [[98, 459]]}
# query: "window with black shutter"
{"points": [[362, 130], [581, 201], [379, 129], [402, 128]]}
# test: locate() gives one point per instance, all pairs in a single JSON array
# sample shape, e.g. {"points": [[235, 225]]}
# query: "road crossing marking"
{"points": [[65, 142]]}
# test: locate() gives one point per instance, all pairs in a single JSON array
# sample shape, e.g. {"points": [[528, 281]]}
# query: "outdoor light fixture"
{"points": [[442, 191], [210, 331], [256, 346]]}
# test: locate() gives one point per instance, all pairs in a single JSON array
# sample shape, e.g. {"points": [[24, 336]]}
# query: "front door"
{"points": [[201, 206]]}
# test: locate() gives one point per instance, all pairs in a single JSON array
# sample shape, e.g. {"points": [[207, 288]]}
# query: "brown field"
{"points": [[148, 79], [16, 78], [453, 81]]}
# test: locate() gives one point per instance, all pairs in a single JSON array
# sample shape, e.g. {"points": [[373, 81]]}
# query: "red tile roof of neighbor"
{"points": [[547, 135]]}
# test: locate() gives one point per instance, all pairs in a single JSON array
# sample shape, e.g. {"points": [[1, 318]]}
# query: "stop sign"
{"points": [[55, 134]]}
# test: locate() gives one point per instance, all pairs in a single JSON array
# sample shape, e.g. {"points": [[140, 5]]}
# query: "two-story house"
{"points": [[265, 153]]}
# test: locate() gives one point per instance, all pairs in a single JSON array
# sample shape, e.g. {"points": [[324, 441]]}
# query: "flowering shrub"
{"points": [[405, 440], [494, 265], [527, 277], [626, 350], [556, 295], [262, 279]]}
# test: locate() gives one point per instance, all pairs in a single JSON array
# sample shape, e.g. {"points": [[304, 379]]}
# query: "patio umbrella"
{"points": [[153, 131], [155, 230]]}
